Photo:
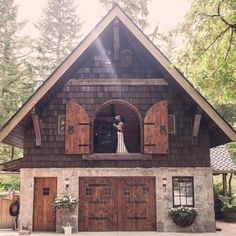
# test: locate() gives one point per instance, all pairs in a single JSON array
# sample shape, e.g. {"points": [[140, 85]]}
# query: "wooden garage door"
{"points": [[117, 204], [45, 191]]}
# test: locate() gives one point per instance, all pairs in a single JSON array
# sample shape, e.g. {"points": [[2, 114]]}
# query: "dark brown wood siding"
{"points": [[181, 151], [135, 63]]}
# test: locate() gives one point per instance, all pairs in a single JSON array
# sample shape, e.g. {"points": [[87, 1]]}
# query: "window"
{"points": [[126, 191], [145, 191], [183, 191], [107, 192], [45, 191], [171, 124], [61, 124], [88, 192]]}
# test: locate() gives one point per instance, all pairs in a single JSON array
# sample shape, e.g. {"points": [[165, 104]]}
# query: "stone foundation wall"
{"points": [[203, 193]]}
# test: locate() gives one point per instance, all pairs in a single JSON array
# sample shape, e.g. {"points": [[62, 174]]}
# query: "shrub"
{"points": [[65, 203]]}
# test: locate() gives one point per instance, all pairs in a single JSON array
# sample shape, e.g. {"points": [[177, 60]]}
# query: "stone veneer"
{"points": [[203, 191]]}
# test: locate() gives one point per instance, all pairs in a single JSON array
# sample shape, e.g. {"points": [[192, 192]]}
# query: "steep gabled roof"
{"points": [[71, 59]]}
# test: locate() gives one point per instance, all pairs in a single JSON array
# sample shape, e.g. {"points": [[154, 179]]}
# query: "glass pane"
{"points": [[183, 191], [189, 201], [176, 201], [189, 192], [176, 192], [189, 184]]}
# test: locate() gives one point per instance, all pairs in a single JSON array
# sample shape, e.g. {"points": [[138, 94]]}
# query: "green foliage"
{"points": [[6, 151], [16, 82], [64, 203], [208, 58], [59, 29], [136, 10], [218, 188], [232, 150], [229, 203], [183, 212], [9, 182]]}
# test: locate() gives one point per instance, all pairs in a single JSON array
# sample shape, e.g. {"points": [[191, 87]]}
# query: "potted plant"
{"points": [[229, 207], [183, 216], [65, 204]]}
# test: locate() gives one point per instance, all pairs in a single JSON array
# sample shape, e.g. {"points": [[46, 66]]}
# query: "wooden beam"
{"points": [[196, 127], [37, 128], [118, 82], [116, 41], [9, 172], [224, 179], [12, 153], [196, 124], [230, 184]]}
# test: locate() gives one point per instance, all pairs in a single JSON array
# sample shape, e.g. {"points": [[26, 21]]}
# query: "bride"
{"points": [[121, 148]]}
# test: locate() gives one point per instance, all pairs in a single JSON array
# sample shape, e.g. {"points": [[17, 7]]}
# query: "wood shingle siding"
{"points": [[181, 152]]}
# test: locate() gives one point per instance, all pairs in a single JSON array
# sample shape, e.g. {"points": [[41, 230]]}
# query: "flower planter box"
{"points": [[183, 222], [183, 216], [229, 216]]}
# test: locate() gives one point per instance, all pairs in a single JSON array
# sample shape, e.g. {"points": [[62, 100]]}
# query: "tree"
{"points": [[16, 82], [13, 65], [136, 10], [209, 53], [59, 30], [208, 58], [9, 182]]}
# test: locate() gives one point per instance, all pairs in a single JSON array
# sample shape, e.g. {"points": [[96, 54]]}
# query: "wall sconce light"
{"points": [[67, 183], [164, 182]]}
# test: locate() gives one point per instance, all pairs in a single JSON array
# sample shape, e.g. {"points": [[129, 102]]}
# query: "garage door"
{"points": [[117, 204]]}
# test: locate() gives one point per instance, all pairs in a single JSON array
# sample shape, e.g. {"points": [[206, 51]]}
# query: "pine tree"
{"points": [[15, 73], [136, 10], [16, 81], [59, 30]]}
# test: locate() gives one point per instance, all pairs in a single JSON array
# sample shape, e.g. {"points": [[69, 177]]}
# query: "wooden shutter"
{"points": [[77, 132], [156, 129]]}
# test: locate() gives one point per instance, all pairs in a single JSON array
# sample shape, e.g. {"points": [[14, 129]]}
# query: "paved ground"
{"points": [[228, 229]]}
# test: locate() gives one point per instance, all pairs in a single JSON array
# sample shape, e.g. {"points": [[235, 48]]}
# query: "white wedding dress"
{"points": [[121, 148]]}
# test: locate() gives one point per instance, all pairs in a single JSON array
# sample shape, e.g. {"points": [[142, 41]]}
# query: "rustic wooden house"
{"points": [[64, 129]]}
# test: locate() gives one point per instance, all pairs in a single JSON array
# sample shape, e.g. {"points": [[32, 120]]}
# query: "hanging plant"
{"points": [[64, 203], [183, 216]]}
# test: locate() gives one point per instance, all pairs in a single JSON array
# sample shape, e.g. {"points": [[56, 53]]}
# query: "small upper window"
{"points": [[45, 191], [61, 124], [183, 191], [107, 57]]}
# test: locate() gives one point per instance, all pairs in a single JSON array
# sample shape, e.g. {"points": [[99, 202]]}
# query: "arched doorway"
{"points": [[102, 126]]}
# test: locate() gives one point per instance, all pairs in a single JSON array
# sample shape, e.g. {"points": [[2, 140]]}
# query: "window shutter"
{"points": [[156, 129], [77, 131]]}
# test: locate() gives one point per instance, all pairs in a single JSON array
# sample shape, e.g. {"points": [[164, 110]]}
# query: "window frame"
{"points": [[173, 193], [59, 119]]}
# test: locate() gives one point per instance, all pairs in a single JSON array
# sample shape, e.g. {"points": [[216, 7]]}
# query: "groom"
{"points": [[114, 129]]}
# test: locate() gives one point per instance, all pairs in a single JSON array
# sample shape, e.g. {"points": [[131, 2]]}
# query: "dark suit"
{"points": [[114, 135]]}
